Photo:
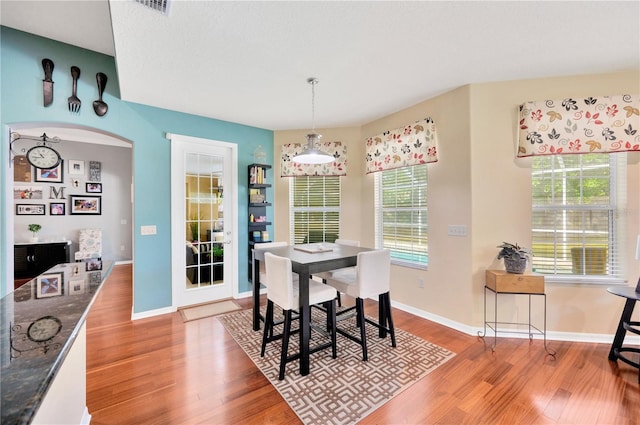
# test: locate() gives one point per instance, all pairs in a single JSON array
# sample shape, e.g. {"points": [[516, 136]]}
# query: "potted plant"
{"points": [[193, 226], [34, 229], [515, 257], [218, 253]]}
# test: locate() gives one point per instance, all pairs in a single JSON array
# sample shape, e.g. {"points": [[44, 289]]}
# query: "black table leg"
{"points": [[256, 295], [305, 320], [621, 332]]}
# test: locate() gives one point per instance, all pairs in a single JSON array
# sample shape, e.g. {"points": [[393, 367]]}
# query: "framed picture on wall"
{"points": [[95, 171], [52, 175], [21, 169], [94, 187], [49, 285], [57, 208], [85, 204], [76, 167], [30, 209], [27, 192]]}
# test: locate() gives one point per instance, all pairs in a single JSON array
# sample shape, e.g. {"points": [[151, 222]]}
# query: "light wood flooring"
{"points": [[163, 371]]}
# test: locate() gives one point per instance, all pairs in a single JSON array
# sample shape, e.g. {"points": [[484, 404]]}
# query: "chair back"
{"points": [[348, 242], [373, 273], [89, 244], [279, 281], [266, 245]]}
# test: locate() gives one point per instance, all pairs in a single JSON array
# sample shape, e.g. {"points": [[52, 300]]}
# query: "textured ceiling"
{"points": [[248, 62]]}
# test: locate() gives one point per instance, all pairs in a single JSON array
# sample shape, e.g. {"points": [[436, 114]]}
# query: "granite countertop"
{"points": [[40, 321]]}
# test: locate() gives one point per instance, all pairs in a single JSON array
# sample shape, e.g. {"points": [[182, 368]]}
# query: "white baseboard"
{"points": [[152, 313], [119, 262], [551, 335], [86, 417]]}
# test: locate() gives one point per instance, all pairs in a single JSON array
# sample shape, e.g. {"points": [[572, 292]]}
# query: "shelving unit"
{"points": [[258, 204]]}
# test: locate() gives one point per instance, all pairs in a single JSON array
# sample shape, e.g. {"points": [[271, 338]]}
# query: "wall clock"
{"points": [[43, 157], [44, 329]]}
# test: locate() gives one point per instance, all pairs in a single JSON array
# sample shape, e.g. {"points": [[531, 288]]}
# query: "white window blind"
{"points": [[314, 205], [401, 214], [577, 228]]}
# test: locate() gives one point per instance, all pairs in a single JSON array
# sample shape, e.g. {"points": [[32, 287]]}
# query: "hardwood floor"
{"points": [[163, 371]]}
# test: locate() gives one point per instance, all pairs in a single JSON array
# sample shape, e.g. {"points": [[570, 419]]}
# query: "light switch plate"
{"points": [[457, 230]]}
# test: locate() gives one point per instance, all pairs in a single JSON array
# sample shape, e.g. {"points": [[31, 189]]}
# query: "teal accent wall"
{"points": [[21, 77]]}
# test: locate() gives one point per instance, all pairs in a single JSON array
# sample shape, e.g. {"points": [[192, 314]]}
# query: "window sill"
{"points": [[408, 264], [584, 280]]}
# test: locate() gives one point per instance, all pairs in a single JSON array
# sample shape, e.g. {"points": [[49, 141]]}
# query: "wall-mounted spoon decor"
{"points": [[99, 106], [47, 83]]}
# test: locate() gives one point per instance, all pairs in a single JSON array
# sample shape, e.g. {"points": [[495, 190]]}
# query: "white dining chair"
{"points": [[283, 291], [266, 245], [370, 278], [330, 273]]}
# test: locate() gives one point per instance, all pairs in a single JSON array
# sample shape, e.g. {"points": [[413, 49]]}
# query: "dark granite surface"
{"points": [[33, 350]]}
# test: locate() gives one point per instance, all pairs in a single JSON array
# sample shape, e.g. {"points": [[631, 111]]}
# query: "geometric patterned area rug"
{"points": [[346, 389]]}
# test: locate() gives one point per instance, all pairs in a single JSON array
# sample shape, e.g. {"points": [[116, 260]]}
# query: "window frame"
{"points": [[421, 210], [616, 237], [324, 209]]}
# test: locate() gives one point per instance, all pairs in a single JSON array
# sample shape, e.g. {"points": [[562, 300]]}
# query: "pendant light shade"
{"points": [[312, 154]]}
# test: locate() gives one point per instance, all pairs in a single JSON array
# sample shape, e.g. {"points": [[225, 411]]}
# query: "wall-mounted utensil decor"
{"points": [[74, 102], [99, 106], [47, 83]]}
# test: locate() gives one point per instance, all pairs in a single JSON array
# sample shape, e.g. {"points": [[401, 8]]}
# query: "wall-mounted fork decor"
{"points": [[73, 101]]}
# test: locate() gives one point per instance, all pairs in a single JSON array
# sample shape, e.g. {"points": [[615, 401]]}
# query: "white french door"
{"points": [[203, 220]]}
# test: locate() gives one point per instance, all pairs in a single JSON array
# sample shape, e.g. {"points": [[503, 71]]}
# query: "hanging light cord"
{"points": [[313, 83]]}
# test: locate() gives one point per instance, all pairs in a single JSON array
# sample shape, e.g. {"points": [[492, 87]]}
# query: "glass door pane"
{"points": [[204, 225]]}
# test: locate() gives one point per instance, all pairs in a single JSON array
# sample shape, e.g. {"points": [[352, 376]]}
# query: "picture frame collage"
{"points": [[27, 188]]}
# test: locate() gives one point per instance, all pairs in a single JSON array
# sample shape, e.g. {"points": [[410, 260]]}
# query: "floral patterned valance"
{"points": [[590, 125], [410, 145], [288, 168]]}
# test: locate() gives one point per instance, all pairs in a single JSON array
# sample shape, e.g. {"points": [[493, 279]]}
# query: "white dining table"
{"points": [[306, 260]]}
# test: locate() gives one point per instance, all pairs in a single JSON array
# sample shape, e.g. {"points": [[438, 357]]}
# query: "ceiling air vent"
{"points": [[157, 5]]}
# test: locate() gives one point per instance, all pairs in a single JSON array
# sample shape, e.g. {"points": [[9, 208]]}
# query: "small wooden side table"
{"points": [[626, 324], [500, 282]]}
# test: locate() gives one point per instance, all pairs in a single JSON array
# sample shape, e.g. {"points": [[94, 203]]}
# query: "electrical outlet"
{"points": [[148, 230], [420, 283]]}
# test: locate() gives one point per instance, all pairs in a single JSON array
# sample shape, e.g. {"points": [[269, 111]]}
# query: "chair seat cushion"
{"points": [[344, 280], [333, 273], [318, 293]]}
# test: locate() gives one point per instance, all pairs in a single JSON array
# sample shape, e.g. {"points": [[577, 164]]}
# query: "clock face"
{"points": [[43, 157], [44, 329]]}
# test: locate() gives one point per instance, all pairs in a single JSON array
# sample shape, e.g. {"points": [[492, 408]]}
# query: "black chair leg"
{"points": [[285, 343], [331, 317], [389, 319], [363, 328], [268, 327]]}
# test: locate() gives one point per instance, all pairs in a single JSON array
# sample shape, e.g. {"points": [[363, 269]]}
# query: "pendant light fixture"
{"points": [[312, 154]]}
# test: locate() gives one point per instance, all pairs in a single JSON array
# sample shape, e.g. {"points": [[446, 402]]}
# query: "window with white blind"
{"points": [[314, 205], [577, 230], [401, 214]]}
